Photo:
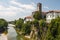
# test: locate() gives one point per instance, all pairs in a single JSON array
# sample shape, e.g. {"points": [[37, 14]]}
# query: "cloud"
{"points": [[46, 7], [12, 12], [6, 11], [24, 6]]}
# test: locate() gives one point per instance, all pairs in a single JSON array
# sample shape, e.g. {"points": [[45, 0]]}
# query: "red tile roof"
{"points": [[44, 13], [51, 11], [28, 17], [56, 11]]}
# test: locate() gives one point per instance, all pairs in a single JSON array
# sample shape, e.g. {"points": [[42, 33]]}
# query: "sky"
{"points": [[14, 9]]}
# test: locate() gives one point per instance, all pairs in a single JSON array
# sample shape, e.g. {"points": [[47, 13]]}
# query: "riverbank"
{"points": [[3, 37], [21, 36]]}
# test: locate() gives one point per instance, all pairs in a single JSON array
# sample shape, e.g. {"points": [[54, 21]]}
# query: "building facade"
{"points": [[52, 15], [28, 18]]}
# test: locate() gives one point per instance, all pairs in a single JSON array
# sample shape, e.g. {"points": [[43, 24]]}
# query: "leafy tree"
{"points": [[54, 30], [35, 23], [19, 23], [12, 22], [48, 35], [37, 15], [15, 22], [26, 27], [3, 25], [43, 29]]}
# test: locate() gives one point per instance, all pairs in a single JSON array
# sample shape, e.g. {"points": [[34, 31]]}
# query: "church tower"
{"points": [[39, 7]]}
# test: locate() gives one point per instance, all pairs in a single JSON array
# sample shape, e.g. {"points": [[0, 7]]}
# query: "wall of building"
{"points": [[50, 16]]}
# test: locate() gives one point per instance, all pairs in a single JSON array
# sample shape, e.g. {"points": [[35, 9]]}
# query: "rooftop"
{"points": [[56, 11], [28, 17]]}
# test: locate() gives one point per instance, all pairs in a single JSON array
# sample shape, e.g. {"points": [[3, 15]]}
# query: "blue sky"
{"points": [[14, 9]]}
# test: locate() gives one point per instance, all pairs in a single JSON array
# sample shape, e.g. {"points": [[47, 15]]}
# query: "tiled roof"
{"points": [[44, 13], [51, 11], [56, 11], [28, 17]]}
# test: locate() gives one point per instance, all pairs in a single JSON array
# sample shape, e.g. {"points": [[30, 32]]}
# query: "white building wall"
{"points": [[28, 20], [50, 16]]}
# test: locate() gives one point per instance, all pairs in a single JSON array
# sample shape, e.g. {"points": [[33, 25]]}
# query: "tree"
{"points": [[12, 22], [19, 23], [37, 15], [35, 23], [26, 28], [54, 30], [43, 29], [3, 25]]}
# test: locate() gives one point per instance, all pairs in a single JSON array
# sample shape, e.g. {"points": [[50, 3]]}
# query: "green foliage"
{"points": [[48, 35], [42, 23], [19, 23], [26, 27], [37, 15], [35, 23], [54, 28], [46, 31], [3, 25], [43, 29], [12, 22]]}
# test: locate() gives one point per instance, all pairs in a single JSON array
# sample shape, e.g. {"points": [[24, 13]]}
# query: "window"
{"points": [[52, 15]]}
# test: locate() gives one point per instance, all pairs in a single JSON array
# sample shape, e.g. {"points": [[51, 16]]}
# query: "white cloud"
{"points": [[6, 11], [5, 14], [11, 12], [1, 7], [25, 6], [46, 7]]}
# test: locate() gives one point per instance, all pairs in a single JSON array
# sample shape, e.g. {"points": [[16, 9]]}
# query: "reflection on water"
{"points": [[12, 35]]}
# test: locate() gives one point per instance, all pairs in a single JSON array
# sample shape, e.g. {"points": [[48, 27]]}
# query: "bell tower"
{"points": [[39, 7]]}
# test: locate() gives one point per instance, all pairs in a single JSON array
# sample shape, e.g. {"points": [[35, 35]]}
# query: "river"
{"points": [[12, 35]]}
